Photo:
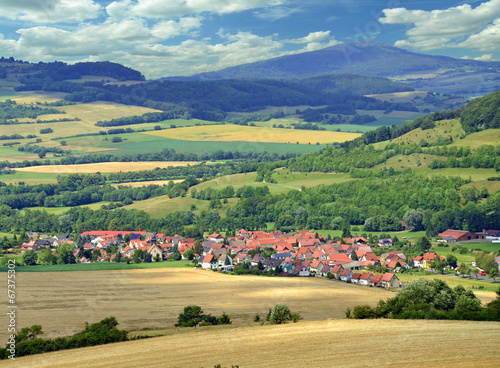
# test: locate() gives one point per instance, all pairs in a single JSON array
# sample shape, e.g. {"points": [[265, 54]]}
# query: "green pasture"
{"points": [[465, 258], [61, 210], [296, 180], [101, 266], [153, 143], [351, 128], [451, 280], [6, 93], [29, 178]]}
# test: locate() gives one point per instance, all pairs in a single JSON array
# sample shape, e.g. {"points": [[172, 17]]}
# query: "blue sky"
{"points": [[183, 37]]}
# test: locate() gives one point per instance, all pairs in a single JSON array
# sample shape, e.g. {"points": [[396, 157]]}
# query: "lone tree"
{"points": [[193, 316], [280, 314]]}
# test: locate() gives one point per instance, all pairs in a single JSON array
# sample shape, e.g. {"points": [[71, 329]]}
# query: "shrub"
{"points": [[280, 314], [224, 319]]}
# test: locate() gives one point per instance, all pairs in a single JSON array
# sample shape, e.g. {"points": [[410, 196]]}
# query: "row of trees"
{"points": [[431, 299]]}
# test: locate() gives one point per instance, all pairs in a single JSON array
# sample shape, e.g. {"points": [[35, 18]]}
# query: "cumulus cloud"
{"points": [[485, 57], [180, 8], [49, 11], [441, 28]]}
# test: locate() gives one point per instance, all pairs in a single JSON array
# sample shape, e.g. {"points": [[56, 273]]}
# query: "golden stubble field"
{"points": [[105, 167], [334, 343], [238, 133], [63, 301]]}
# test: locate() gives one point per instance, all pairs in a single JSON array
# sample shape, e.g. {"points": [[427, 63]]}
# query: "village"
{"points": [[302, 254]]}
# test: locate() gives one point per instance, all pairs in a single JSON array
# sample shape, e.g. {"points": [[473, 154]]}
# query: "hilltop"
{"points": [[371, 58]]}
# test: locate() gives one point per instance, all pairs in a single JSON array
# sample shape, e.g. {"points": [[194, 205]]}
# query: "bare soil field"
{"points": [[341, 343], [104, 167], [63, 301]]}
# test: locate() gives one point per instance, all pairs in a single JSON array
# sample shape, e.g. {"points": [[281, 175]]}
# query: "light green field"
{"points": [[399, 234], [61, 210], [492, 186], [466, 258], [486, 247], [452, 281], [474, 140], [29, 178], [240, 180], [160, 206], [403, 162], [101, 266], [296, 180], [472, 173], [6, 93], [444, 129]]}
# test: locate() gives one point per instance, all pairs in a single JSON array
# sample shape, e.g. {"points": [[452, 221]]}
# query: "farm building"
{"points": [[461, 235]]}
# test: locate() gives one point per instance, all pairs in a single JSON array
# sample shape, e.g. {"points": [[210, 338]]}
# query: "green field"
{"points": [[296, 180], [61, 210], [6, 93], [101, 266], [465, 258], [485, 247], [400, 234], [452, 281], [29, 178]]}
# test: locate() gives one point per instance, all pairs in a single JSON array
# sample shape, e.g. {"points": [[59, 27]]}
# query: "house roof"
{"points": [[388, 276], [209, 258]]}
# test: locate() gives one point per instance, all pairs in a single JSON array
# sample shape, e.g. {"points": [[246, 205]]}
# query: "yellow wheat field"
{"points": [[153, 298], [105, 167], [238, 133], [136, 184], [340, 343]]}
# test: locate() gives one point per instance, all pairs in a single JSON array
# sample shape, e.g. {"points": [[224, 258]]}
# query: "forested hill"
{"points": [[34, 76], [211, 100], [367, 58], [482, 113], [479, 114]]}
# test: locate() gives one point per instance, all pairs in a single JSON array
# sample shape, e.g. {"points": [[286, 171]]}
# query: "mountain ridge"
{"points": [[370, 58]]}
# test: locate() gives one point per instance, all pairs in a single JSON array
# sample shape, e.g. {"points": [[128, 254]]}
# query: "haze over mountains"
{"points": [[423, 71]]}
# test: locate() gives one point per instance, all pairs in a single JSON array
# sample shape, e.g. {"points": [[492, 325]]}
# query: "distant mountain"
{"points": [[438, 73]]}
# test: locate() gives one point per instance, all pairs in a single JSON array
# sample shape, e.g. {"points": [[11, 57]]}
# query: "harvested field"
{"points": [[63, 301], [238, 133], [105, 167], [136, 184], [344, 343]]}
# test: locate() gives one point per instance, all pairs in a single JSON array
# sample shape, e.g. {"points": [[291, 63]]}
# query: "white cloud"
{"points": [[440, 28], [167, 29], [312, 37], [193, 56], [49, 11], [486, 40], [277, 12], [180, 8], [485, 57]]}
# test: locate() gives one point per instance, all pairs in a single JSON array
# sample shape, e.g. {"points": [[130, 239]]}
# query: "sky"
{"points": [[183, 37]]}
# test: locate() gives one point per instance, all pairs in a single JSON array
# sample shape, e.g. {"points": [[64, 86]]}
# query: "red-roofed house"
{"points": [[429, 257], [218, 238], [365, 278], [390, 280], [156, 253], [346, 275], [209, 262], [376, 281], [355, 277]]}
